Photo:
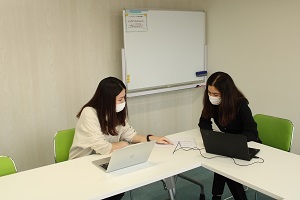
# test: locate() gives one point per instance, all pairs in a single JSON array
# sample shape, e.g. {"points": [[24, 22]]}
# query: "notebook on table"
{"points": [[128, 156], [226, 144]]}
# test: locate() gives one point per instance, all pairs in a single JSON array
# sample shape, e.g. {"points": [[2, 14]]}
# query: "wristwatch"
{"points": [[148, 138]]}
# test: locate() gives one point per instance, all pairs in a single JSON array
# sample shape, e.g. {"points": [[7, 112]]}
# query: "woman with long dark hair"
{"points": [[102, 125], [228, 107]]}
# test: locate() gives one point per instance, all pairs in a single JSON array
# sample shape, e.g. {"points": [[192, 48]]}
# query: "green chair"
{"points": [[62, 143], [274, 131], [7, 166]]}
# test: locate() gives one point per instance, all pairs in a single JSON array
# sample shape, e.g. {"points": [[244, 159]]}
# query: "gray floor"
{"points": [[184, 189]]}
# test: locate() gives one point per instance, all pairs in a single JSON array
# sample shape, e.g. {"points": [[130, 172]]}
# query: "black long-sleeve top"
{"points": [[243, 124]]}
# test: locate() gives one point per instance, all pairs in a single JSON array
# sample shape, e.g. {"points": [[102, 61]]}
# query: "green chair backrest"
{"points": [[62, 143], [7, 166], [275, 132]]}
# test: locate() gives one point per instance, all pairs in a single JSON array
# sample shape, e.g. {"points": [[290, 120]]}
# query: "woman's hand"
{"points": [[161, 140]]}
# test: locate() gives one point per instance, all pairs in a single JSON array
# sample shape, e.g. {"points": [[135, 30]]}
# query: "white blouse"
{"points": [[89, 138]]}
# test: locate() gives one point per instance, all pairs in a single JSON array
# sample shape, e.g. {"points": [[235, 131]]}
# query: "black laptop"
{"points": [[226, 144]]}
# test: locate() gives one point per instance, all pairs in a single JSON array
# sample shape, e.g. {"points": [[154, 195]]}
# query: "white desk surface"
{"points": [[277, 177], [80, 179]]}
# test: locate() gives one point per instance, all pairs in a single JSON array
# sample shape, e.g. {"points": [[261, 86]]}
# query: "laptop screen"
{"points": [[127, 156], [226, 144]]}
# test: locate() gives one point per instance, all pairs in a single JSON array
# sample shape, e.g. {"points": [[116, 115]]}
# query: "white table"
{"points": [[277, 177], [80, 179]]}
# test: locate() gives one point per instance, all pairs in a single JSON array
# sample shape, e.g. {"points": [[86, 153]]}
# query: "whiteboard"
{"points": [[163, 49]]}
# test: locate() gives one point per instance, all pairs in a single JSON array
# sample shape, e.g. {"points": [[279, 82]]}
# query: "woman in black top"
{"points": [[228, 107]]}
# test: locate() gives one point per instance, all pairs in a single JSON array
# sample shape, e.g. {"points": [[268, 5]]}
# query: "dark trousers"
{"points": [[115, 197], [236, 189]]}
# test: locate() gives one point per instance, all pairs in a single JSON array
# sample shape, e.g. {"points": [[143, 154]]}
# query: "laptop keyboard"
{"points": [[105, 165], [252, 151]]}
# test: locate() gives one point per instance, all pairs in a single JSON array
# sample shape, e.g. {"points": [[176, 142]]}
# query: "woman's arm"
{"points": [[140, 138], [130, 135], [118, 145], [143, 138], [205, 123], [248, 123]]}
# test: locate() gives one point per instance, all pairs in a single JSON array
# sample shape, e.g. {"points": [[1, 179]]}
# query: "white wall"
{"points": [[258, 43], [53, 53]]}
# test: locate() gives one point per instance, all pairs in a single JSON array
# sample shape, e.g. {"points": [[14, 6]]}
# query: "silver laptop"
{"points": [[131, 155]]}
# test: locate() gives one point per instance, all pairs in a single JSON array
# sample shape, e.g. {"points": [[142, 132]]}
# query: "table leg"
{"points": [[170, 185]]}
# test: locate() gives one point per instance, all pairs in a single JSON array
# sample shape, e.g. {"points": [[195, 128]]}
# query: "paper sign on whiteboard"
{"points": [[136, 22]]}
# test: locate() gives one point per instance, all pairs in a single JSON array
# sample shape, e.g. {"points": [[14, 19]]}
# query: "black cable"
{"points": [[262, 161], [193, 148]]}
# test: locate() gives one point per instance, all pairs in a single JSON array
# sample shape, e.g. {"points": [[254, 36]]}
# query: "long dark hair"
{"points": [[104, 102], [230, 97]]}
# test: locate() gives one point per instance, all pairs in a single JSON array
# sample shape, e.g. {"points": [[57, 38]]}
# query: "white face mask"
{"points": [[214, 100], [120, 107]]}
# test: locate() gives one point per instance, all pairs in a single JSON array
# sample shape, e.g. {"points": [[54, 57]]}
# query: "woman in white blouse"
{"points": [[102, 125]]}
